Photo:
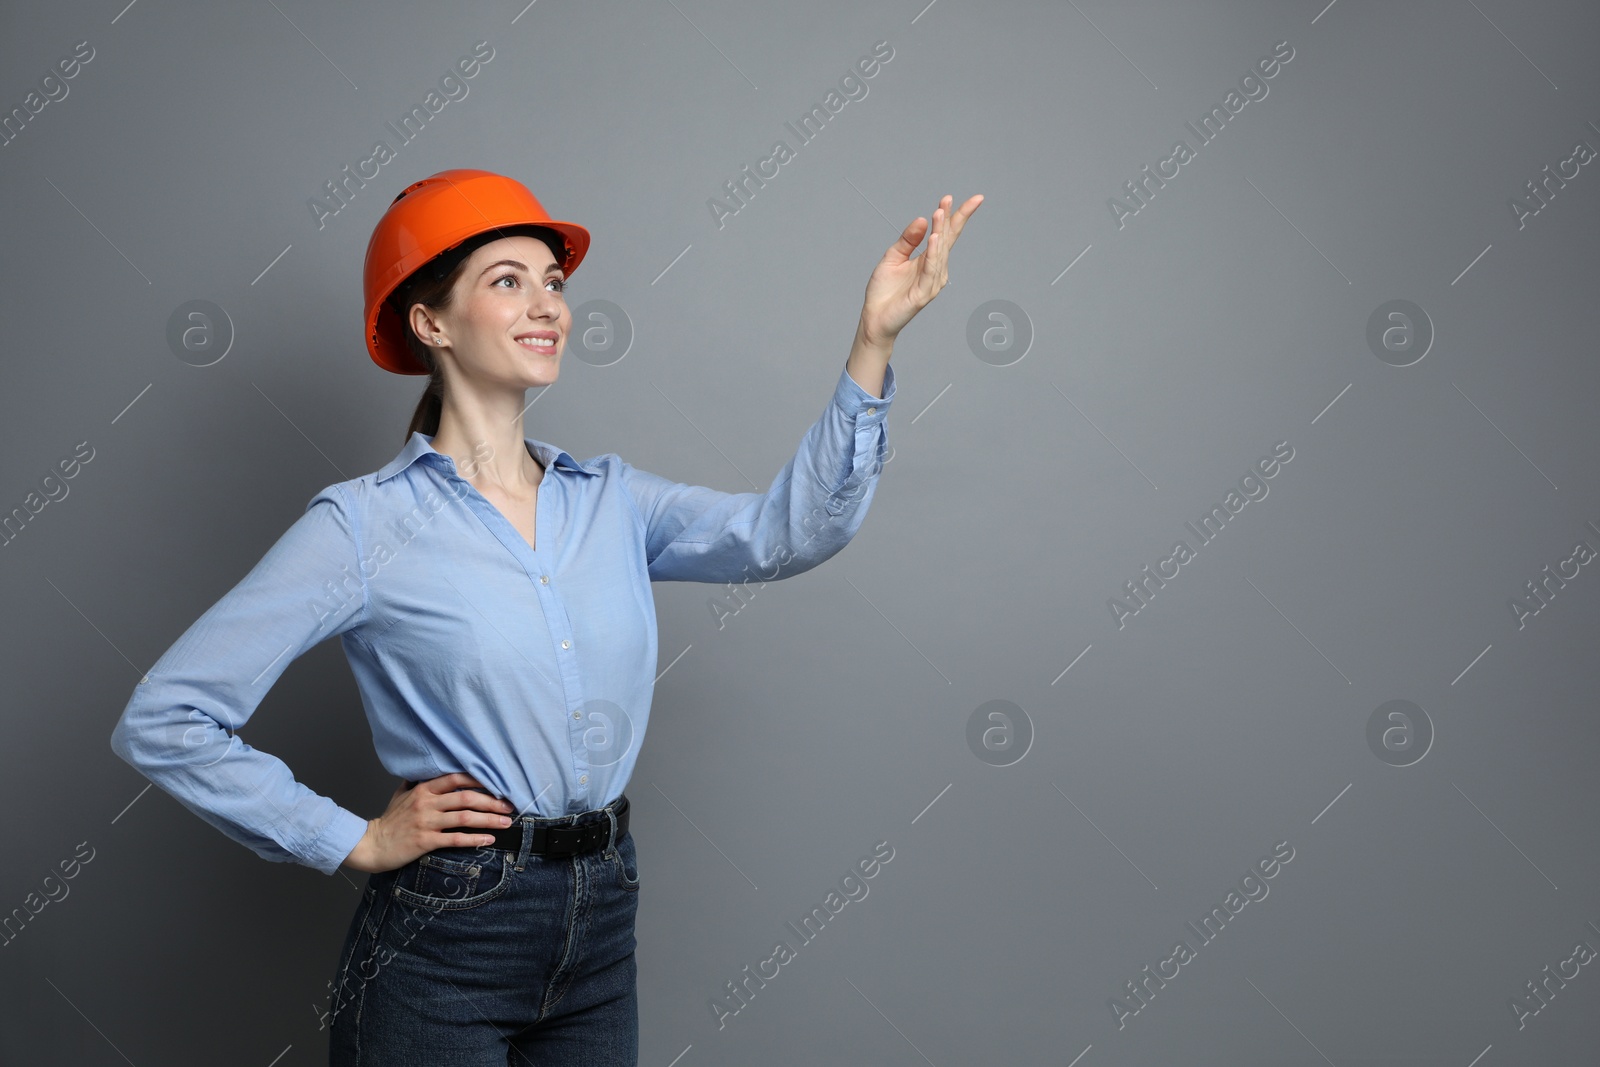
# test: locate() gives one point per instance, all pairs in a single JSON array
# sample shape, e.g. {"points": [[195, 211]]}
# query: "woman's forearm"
{"points": [[868, 358]]}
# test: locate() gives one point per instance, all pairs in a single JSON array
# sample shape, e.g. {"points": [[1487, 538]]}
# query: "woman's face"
{"points": [[507, 299]]}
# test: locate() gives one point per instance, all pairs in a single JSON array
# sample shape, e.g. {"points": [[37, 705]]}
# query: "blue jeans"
{"points": [[461, 959]]}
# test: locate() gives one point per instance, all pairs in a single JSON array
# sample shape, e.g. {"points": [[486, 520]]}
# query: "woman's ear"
{"points": [[424, 323]]}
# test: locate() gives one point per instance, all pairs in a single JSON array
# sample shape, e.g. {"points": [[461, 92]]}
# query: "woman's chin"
{"points": [[539, 377]]}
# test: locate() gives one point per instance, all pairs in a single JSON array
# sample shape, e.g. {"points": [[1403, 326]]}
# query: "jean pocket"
{"points": [[454, 879], [627, 864]]}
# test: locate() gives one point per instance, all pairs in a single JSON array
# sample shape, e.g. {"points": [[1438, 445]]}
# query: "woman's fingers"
{"points": [[930, 272], [446, 783], [958, 220], [946, 229], [460, 791], [476, 818], [487, 814], [470, 798], [945, 223], [909, 239]]}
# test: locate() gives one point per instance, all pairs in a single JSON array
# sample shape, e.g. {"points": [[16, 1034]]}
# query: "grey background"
{"points": [[831, 713]]}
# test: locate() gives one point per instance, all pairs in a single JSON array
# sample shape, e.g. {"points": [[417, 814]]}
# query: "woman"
{"points": [[492, 597]]}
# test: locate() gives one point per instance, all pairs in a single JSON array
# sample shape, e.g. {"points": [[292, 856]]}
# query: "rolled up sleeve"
{"points": [[181, 726], [813, 508]]}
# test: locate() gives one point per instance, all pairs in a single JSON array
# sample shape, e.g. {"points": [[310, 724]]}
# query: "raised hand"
{"points": [[901, 286]]}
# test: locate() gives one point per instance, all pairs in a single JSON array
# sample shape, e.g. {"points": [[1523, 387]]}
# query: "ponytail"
{"points": [[429, 407]]}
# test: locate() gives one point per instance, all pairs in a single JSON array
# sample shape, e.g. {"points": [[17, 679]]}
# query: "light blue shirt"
{"points": [[531, 669]]}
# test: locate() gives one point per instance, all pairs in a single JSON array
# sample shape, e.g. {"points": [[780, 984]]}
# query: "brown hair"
{"points": [[433, 284]]}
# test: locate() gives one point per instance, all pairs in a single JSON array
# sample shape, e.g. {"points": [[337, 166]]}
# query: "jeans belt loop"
{"points": [[528, 831]]}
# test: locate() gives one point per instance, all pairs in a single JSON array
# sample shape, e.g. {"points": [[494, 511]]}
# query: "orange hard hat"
{"points": [[430, 217]]}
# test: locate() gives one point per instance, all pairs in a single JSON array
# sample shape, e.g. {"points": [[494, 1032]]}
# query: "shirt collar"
{"points": [[420, 444]]}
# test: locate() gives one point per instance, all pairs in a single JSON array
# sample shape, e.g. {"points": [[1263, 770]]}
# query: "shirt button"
{"points": [[872, 411], [565, 643], [145, 679], [577, 715], [583, 777], [544, 579]]}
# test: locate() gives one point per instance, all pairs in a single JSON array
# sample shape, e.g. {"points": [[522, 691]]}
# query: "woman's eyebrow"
{"points": [[554, 268]]}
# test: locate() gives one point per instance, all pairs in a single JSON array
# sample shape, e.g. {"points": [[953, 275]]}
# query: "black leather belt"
{"points": [[554, 841]]}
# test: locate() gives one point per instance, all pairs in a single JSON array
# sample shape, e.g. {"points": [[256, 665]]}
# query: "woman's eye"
{"points": [[503, 277], [562, 282]]}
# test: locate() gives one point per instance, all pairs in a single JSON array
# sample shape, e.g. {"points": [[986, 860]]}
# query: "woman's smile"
{"points": [[539, 340]]}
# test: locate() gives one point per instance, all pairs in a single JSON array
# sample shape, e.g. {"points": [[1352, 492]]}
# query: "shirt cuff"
{"points": [[863, 416], [855, 401], [328, 852]]}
